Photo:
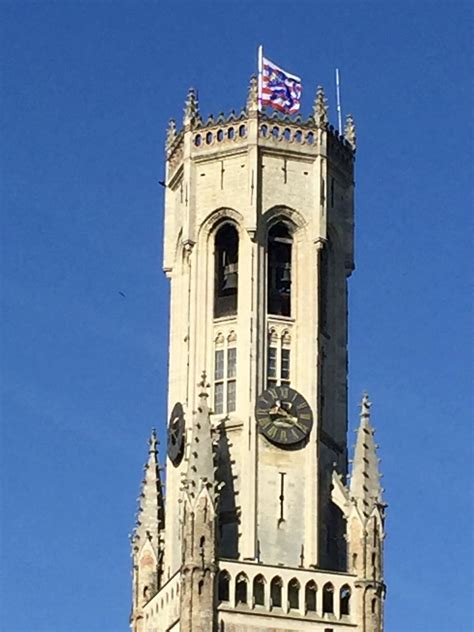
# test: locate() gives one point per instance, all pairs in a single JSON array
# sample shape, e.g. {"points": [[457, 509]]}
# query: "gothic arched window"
{"points": [[310, 596], [223, 586], [328, 599], [226, 266], [345, 597], [241, 588], [279, 270], [275, 592], [259, 590], [294, 594]]}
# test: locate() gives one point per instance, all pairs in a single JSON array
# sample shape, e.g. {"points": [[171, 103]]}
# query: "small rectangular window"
{"points": [[231, 393], [272, 362], [219, 398], [219, 365], [285, 365], [231, 362]]}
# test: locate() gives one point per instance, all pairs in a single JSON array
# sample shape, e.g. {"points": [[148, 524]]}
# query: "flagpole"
{"points": [[260, 71], [338, 100]]}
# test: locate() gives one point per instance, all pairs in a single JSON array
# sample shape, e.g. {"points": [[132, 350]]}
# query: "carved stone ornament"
{"points": [[350, 131], [191, 109], [320, 108], [170, 133], [252, 95]]}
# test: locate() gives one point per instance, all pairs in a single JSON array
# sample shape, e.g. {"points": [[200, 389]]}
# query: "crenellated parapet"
{"points": [[312, 135]]}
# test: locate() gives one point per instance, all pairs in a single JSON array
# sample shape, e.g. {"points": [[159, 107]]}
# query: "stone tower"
{"points": [[264, 528]]}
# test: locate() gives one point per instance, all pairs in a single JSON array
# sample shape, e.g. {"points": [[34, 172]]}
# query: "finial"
{"points": [[204, 384], [153, 442], [170, 133], [252, 95], [365, 406], [191, 108], [350, 131], [320, 108]]}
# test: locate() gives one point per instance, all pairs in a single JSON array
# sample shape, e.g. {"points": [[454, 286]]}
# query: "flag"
{"points": [[280, 90]]}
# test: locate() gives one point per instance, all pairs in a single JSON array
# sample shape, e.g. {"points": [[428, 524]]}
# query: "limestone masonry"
{"points": [[261, 528]]}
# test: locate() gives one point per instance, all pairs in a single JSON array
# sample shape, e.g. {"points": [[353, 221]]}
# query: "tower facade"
{"points": [[261, 531]]}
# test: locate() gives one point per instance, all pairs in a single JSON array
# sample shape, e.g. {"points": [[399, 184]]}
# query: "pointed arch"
{"points": [[285, 213], [226, 270], [259, 590], [310, 596], [345, 600], [223, 586], [275, 592], [328, 598], [279, 268], [293, 594], [241, 589]]}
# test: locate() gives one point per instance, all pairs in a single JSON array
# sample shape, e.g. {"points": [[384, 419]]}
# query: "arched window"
{"points": [[279, 270], [241, 588], [345, 597], [374, 605], [328, 599], [226, 271], [294, 594], [310, 596], [259, 590], [223, 586], [275, 592]]}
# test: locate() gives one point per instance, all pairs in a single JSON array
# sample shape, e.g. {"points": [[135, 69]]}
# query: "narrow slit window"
{"points": [[272, 366], [231, 396], [225, 379], [285, 366], [219, 398]]}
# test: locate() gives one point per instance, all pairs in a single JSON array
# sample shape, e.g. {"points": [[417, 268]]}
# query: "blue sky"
{"points": [[87, 89]]}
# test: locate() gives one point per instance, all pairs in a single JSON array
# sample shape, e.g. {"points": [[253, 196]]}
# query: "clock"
{"points": [[283, 415], [176, 434]]}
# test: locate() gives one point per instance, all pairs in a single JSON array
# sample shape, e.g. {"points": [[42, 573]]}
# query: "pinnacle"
{"points": [[151, 502], [191, 108], [200, 471], [252, 95], [171, 133], [320, 108], [350, 133], [365, 477]]}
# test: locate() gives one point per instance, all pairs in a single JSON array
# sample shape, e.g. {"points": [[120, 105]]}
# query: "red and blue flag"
{"points": [[280, 89]]}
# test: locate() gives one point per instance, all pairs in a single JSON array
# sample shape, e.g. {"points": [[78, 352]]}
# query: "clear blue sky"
{"points": [[87, 89]]}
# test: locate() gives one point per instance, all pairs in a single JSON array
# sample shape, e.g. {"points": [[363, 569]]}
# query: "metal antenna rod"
{"points": [[338, 101]]}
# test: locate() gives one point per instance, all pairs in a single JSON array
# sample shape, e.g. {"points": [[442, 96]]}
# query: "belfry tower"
{"points": [[262, 527]]}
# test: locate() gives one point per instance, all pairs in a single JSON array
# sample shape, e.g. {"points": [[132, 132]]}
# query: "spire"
{"points": [[365, 486], [151, 513], [320, 108], [252, 95], [191, 109], [200, 473], [170, 133], [350, 131]]}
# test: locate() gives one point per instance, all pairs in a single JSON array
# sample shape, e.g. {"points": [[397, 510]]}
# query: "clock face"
{"points": [[176, 434], [283, 415]]}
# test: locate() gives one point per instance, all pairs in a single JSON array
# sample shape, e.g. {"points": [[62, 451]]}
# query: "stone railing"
{"points": [[162, 611], [252, 587]]}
